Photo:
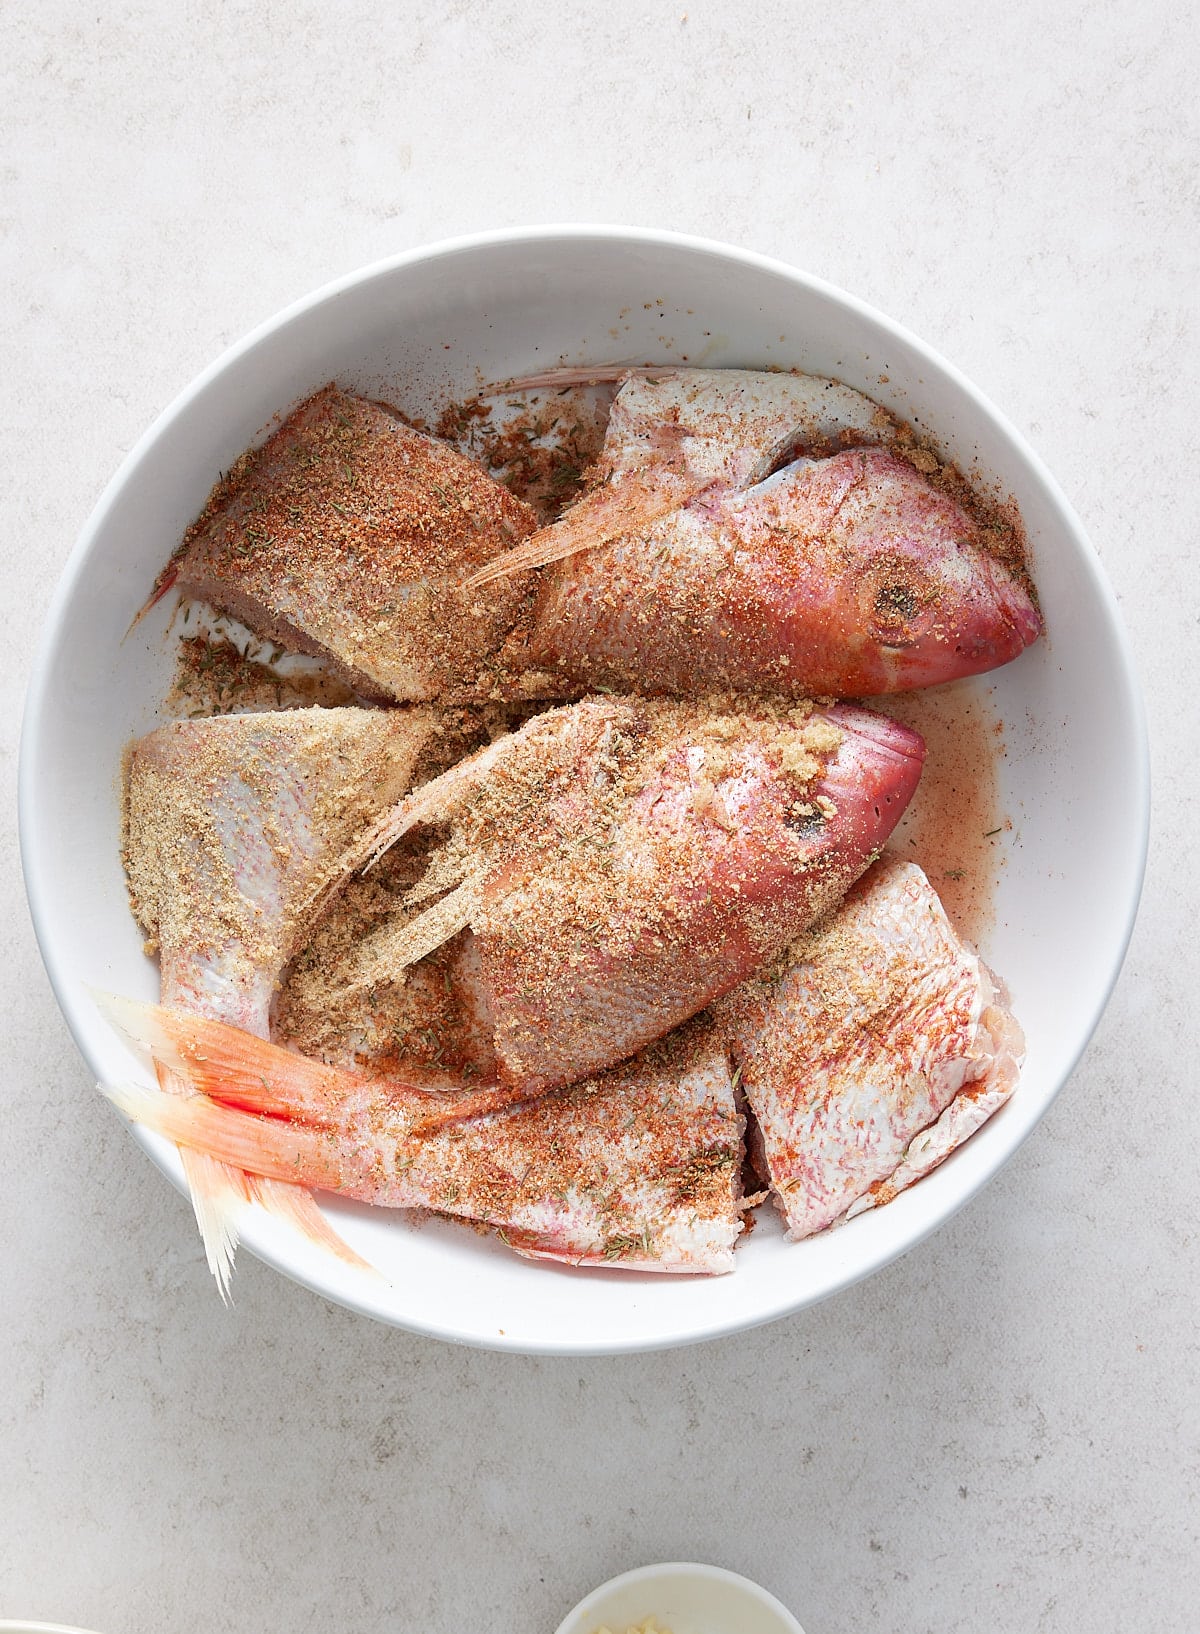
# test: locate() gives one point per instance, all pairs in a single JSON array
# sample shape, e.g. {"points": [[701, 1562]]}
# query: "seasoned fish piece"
{"points": [[234, 828], [432, 1028], [623, 862], [348, 535], [609, 869], [878, 1047], [735, 539], [639, 1167], [675, 432], [851, 574]]}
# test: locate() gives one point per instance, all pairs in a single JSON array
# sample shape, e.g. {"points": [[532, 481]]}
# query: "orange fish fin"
{"points": [[219, 1197], [270, 1147], [248, 1074], [299, 1208], [229, 1064]]}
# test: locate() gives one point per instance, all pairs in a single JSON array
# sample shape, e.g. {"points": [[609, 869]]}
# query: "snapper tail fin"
{"points": [[219, 1199], [231, 1065], [222, 1190], [221, 1194], [247, 1073], [272, 1148], [299, 1209]]}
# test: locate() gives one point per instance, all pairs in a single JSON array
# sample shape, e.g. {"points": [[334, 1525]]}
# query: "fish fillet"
{"points": [[878, 1046], [349, 535]]}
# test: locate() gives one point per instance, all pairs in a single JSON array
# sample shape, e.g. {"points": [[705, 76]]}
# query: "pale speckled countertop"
{"points": [[999, 1432]]}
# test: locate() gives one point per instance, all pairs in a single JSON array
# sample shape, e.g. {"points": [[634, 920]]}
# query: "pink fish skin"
{"points": [[850, 575], [630, 860], [637, 1168], [878, 1046]]}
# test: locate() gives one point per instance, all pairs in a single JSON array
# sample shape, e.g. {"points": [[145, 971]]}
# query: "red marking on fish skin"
{"points": [[885, 1029], [542, 1248]]}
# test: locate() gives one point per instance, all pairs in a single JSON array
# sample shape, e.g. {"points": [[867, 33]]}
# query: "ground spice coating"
{"points": [[233, 828], [544, 449], [349, 535], [213, 676], [590, 881], [349, 498]]}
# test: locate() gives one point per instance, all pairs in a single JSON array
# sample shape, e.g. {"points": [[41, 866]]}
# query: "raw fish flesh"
{"points": [[348, 536], [874, 1049]]}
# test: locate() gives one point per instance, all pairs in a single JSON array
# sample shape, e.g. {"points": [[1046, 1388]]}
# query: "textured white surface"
{"points": [[1000, 1431]]}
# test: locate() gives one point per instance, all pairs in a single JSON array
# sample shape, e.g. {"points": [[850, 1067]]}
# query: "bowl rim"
{"points": [[36, 862], [19, 1626], [677, 1568]]}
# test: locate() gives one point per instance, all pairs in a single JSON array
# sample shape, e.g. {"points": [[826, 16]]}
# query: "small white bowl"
{"points": [[422, 329], [684, 1599]]}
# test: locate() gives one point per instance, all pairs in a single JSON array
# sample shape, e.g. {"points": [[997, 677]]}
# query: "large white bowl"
{"points": [[424, 327], [39, 1628]]}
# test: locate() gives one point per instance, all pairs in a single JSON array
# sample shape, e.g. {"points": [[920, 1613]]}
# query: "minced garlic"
{"points": [[650, 1626]]}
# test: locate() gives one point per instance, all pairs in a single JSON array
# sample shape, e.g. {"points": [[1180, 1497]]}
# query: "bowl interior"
{"points": [[420, 331]]}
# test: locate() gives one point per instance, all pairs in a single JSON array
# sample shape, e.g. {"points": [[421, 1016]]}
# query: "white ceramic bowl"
{"points": [[683, 1599], [44, 1628], [420, 329]]}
